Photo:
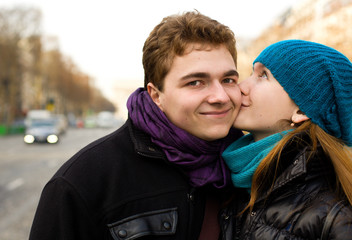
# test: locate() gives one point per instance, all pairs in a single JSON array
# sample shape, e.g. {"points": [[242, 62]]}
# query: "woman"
{"points": [[293, 172]]}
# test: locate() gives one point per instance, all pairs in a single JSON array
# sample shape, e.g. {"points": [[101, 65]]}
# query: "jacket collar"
{"points": [[296, 169], [142, 142], [295, 159]]}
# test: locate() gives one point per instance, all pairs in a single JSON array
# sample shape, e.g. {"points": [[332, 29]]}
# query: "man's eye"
{"points": [[194, 83], [229, 80]]}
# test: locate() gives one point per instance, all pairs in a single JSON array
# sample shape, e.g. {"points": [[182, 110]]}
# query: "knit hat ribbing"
{"points": [[318, 79]]}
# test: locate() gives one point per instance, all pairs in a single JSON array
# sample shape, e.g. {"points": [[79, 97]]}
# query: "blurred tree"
{"points": [[15, 24], [33, 78], [100, 103], [72, 90]]}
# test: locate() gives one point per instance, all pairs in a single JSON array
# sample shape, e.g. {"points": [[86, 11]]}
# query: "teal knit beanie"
{"points": [[318, 79]]}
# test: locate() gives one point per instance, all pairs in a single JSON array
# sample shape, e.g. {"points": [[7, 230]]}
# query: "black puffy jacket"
{"points": [[119, 187], [298, 206]]}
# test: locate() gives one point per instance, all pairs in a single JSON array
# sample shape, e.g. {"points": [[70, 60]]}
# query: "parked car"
{"points": [[36, 114], [42, 131], [62, 122], [106, 119], [90, 122]]}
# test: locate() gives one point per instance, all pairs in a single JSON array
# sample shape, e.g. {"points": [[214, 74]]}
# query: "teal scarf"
{"points": [[244, 155]]}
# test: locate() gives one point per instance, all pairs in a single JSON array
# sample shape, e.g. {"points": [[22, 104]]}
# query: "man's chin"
{"points": [[215, 134]]}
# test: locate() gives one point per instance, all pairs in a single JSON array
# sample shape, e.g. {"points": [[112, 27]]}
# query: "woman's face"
{"points": [[264, 104]]}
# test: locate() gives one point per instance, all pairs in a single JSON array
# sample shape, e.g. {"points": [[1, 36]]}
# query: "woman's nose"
{"points": [[244, 87]]}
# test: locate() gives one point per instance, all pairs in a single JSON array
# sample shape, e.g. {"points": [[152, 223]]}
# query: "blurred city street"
{"points": [[80, 70], [24, 170]]}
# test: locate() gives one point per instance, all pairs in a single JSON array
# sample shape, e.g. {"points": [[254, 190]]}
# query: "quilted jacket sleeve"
{"points": [[341, 224]]}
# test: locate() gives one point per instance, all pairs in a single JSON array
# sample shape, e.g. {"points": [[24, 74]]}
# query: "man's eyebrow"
{"points": [[207, 75], [196, 75], [231, 73]]}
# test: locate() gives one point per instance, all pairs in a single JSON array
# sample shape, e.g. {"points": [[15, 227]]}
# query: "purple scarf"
{"points": [[200, 159]]}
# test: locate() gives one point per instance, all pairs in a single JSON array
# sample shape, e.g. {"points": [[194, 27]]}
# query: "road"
{"points": [[24, 170]]}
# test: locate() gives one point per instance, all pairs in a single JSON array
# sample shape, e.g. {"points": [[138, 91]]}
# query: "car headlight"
{"points": [[28, 138], [52, 138]]}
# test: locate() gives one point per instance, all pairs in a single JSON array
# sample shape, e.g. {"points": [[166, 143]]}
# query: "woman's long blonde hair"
{"points": [[338, 153]]}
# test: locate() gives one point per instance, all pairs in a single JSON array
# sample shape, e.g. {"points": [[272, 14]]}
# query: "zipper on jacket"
{"points": [[191, 206], [224, 224], [190, 197]]}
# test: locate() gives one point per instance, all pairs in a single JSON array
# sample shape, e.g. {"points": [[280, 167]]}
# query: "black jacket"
{"points": [[298, 206], [119, 187]]}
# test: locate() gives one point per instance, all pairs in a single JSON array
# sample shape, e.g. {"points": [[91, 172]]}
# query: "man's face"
{"points": [[200, 93]]}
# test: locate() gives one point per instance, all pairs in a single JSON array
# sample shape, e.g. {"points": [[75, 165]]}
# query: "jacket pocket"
{"points": [[154, 223]]}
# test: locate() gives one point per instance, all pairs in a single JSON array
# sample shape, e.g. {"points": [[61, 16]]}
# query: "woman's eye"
{"points": [[264, 75]]}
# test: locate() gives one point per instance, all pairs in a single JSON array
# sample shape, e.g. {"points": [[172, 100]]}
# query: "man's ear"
{"points": [[299, 117], [155, 94]]}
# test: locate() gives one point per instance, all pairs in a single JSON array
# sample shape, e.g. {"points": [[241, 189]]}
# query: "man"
{"points": [[160, 176]]}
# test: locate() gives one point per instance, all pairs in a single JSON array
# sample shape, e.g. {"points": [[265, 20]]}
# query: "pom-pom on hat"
{"points": [[318, 79]]}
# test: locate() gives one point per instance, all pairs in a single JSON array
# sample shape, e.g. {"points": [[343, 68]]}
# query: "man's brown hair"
{"points": [[173, 35]]}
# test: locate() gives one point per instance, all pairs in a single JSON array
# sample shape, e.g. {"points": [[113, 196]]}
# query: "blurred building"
{"points": [[121, 95], [32, 87], [323, 21]]}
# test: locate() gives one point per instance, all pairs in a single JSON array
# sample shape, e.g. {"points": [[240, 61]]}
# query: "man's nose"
{"points": [[217, 94]]}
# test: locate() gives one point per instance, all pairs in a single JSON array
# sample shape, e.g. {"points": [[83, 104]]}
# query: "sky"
{"points": [[104, 38]]}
